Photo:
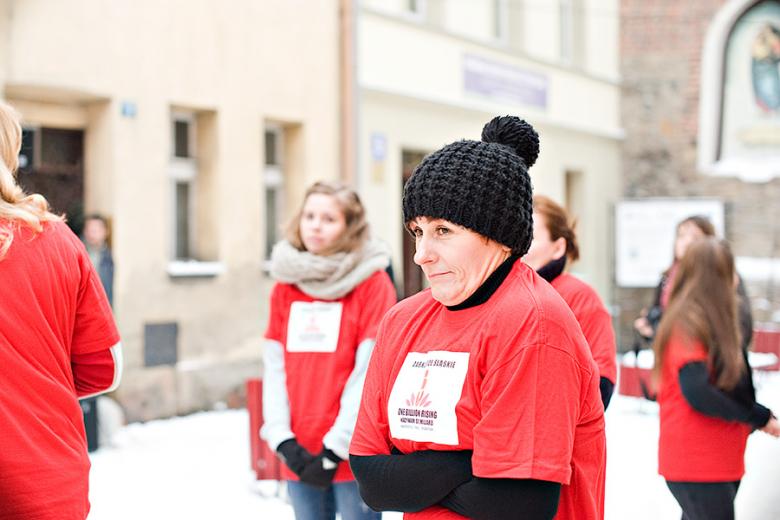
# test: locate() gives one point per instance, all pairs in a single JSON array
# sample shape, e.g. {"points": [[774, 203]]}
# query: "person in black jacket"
{"points": [[95, 236], [690, 230]]}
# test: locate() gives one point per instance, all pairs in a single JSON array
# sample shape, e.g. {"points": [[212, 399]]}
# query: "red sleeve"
{"points": [[594, 319], [94, 334], [94, 327], [541, 386], [596, 324], [93, 373]]}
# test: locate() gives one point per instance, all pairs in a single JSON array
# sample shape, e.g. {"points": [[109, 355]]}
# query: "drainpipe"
{"points": [[349, 101]]}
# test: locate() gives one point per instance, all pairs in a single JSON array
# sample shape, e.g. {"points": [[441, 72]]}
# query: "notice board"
{"points": [[644, 233]]}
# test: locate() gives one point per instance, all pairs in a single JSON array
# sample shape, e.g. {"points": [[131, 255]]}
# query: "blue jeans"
{"points": [[311, 503]]}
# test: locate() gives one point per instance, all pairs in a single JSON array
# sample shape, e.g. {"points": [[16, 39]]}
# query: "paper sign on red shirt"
{"points": [[423, 412]]}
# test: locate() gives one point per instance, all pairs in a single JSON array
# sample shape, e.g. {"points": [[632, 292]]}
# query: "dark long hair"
{"points": [[703, 307], [701, 222]]}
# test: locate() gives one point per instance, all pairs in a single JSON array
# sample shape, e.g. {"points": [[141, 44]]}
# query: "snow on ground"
{"points": [[197, 467]]}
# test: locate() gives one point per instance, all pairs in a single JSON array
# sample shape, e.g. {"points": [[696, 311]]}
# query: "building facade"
{"points": [[192, 125], [435, 71], [701, 110]]}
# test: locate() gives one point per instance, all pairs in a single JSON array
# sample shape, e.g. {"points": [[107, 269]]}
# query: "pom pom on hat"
{"points": [[481, 185], [515, 133]]}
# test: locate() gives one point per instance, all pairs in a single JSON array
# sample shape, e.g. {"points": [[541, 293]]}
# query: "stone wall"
{"points": [[661, 54]]}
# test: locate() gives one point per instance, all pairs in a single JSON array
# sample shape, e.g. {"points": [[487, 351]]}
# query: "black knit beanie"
{"points": [[481, 185]]}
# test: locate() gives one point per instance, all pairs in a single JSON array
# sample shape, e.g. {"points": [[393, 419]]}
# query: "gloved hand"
{"points": [[294, 455], [320, 472]]}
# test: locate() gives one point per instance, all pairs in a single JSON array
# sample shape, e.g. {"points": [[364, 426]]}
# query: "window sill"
{"points": [[180, 268]]}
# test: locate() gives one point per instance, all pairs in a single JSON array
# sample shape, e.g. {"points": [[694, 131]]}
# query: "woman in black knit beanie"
{"points": [[482, 397]]}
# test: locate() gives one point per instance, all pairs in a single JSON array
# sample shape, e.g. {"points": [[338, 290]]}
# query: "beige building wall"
{"points": [[413, 98], [118, 70]]}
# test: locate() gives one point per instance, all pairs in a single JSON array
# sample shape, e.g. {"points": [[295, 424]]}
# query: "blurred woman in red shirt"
{"points": [[553, 247], [706, 396]]}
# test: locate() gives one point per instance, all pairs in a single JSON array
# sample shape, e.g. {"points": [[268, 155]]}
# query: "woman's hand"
{"points": [[320, 472], [295, 456], [643, 327], [772, 427]]}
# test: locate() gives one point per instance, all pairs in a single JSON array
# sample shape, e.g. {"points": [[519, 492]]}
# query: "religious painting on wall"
{"points": [[750, 130]]}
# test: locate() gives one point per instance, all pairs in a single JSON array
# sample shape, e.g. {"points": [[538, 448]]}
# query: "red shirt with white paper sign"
{"points": [[512, 379], [320, 340], [693, 447]]}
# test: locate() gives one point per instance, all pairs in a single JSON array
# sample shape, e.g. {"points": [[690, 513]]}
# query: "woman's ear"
{"points": [[559, 248]]}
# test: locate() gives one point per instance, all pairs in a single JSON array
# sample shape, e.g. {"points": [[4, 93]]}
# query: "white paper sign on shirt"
{"points": [[314, 326], [422, 403]]}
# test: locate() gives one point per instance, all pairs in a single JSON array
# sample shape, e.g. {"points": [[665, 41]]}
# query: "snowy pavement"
{"points": [[197, 467]]}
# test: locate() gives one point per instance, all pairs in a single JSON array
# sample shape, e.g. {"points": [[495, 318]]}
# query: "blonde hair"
{"points": [[16, 207], [355, 233]]}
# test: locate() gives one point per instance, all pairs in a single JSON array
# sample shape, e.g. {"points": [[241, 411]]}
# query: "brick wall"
{"points": [[661, 48]]}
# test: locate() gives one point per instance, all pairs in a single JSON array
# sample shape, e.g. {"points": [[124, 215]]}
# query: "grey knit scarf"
{"points": [[328, 277]]}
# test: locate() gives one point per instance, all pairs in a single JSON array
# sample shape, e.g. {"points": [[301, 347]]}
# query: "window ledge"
{"points": [[178, 268]]}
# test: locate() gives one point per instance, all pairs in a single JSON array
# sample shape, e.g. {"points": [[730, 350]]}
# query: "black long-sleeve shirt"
{"points": [[418, 480], [738, 405]]}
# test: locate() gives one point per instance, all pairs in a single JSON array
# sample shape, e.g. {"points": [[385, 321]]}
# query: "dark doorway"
{"points": [[52, 163], [413, 275]]}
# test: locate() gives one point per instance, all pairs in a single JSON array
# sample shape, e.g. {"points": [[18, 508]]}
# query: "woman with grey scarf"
{"points": [[332, 291]]}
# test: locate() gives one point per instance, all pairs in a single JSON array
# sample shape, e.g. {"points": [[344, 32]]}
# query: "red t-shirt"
{"points": [[594, 319], [512, 379], [316, 368], [693, 447], [52, 307]]}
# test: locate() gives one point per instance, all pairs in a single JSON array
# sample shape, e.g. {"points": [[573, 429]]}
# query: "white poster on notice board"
{"points": [[645, 230]]}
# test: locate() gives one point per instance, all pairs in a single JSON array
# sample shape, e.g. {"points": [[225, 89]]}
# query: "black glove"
{"points": [[320, 472], [294, 455]]}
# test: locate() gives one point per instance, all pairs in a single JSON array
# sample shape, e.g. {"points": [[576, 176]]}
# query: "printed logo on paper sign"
{"points": [[313, 331], [422, 403], [314, 326], [417, 400]]}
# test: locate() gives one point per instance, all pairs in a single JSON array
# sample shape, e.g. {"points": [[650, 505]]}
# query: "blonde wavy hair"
{"points": [[17, 209]]}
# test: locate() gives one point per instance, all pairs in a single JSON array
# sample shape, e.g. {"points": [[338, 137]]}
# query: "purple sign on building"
{"points": [[504, 82]]}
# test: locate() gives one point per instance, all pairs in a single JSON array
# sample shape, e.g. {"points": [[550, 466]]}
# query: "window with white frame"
{"points": [[501, 19], [567, 31], [573, 42], [184, 175], [416, 7], [273, 186], [515, 23]]}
